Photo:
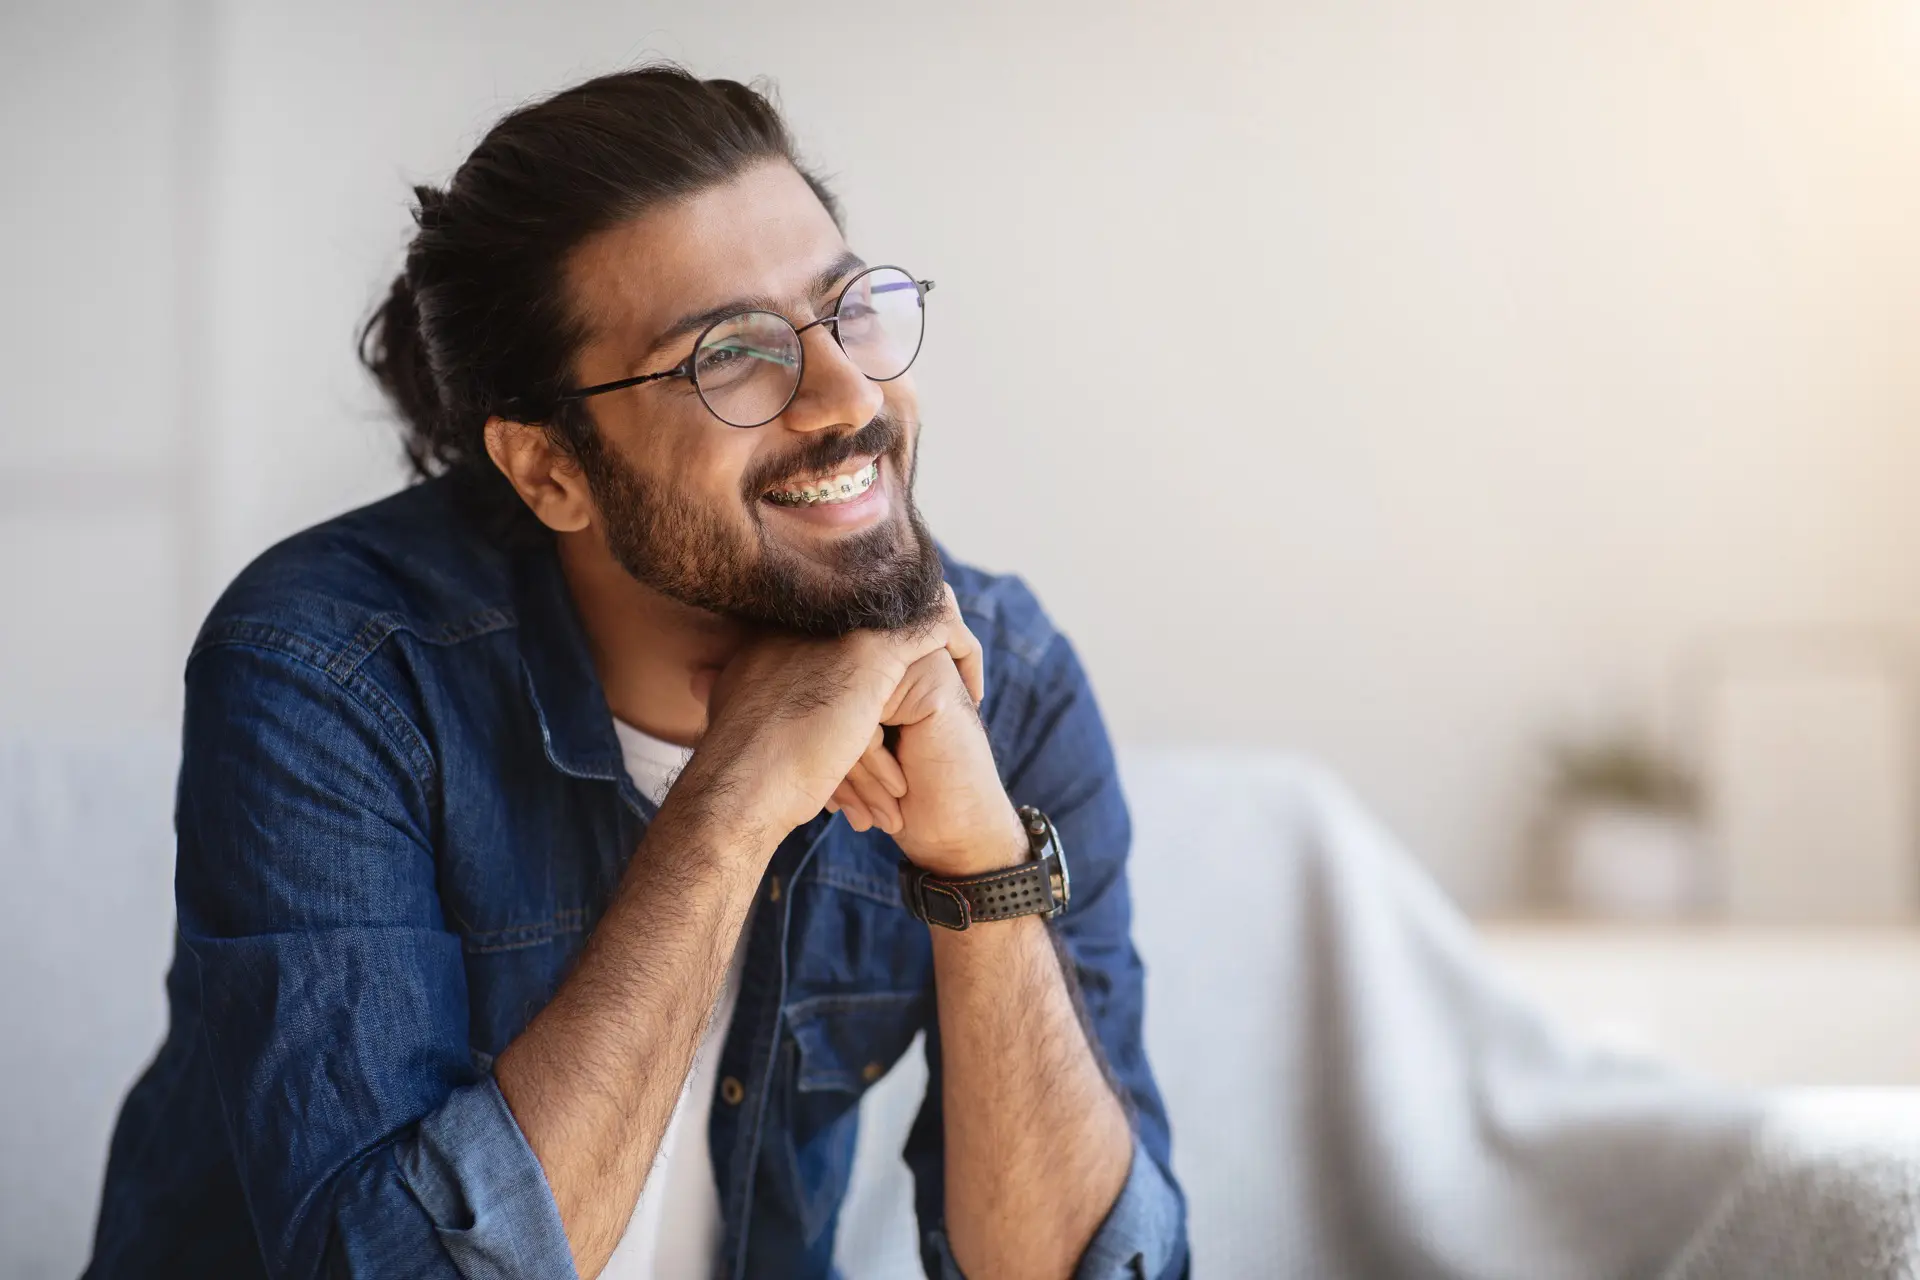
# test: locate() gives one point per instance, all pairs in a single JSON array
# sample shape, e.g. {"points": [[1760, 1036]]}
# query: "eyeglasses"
{"points": [[747, 367]]}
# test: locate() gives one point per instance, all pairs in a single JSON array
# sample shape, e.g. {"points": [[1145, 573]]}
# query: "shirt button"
{"points": [[773, 889], [872, 1071], [731, 1092]]}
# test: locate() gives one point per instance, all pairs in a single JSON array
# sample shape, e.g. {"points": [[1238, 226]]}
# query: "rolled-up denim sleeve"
{"points": [[1055, 755], [333, 1000], [1142, 1238], [1144, 1235]]}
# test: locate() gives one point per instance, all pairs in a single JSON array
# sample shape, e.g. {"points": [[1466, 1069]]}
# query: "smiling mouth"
{"points": [[826, 491]]}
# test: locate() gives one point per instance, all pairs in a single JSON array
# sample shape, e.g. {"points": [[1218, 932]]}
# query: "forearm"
{"points": [[595, 1077], [1037, 1144]]}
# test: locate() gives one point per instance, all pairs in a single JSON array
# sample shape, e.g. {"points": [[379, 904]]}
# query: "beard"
{"points": [[886, 578]]}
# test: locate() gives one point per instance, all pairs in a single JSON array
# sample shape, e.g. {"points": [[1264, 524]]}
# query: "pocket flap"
{"points": [[846, 1042]]}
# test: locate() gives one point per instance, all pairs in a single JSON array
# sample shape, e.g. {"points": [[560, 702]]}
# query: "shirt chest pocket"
{"points": [[511, 974], [837, 1047]]}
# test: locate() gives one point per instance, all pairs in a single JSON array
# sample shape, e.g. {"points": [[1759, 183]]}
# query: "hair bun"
{"points": [[430, 211]]}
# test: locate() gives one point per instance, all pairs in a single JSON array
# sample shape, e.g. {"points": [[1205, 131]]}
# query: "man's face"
{"points": [[687, 504]]}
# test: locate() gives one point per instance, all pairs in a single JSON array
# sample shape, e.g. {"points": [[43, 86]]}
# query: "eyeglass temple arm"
{"points": [[581, 393]]}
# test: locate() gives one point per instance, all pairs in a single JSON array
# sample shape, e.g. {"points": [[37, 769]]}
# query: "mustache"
{"points": [[882, 435]]}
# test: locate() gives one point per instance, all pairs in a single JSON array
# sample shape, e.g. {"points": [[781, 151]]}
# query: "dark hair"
{"points": [[478, 323]]}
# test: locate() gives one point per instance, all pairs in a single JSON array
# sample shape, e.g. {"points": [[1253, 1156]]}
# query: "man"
{"points": [[475, 956]]}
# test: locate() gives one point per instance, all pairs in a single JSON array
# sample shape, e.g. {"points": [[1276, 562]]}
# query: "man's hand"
{"points": [[792, 720], [937, 792], [956, 819]]}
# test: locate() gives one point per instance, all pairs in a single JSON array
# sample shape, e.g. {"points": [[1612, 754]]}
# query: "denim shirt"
{"points": [[401, 811]]}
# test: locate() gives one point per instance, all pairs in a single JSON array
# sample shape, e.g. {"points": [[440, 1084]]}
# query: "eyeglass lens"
{"points": [[748, 367]]}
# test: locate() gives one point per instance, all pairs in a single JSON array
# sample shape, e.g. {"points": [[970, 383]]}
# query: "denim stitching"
{"points": [[262, 635], [519, 937], [842, 1077], [411, 746], [886, 892], [345, 666], [810, 1202], [368, 689], [485, 622], [348, 658], [375, 631]]}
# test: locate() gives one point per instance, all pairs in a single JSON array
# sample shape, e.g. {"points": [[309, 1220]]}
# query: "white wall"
{"points": [[91, 350], [1393, 381]]}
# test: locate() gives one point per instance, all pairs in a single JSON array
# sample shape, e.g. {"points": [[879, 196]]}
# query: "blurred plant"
{"points": [[1621, 770]]}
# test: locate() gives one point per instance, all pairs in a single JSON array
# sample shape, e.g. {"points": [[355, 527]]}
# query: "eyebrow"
{"points": [[693, 322]]}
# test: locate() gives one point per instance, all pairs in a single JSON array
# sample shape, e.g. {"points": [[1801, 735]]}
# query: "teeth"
{"points": [[833, 489]]}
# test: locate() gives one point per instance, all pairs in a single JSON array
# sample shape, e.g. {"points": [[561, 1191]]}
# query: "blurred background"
{"points": [[1514, 405]]}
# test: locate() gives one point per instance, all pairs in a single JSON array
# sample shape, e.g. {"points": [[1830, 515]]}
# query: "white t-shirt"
{"points": [[675, 1229]]}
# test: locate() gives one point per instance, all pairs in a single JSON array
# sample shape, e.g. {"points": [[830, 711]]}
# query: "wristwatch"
{"points": [[1038, 887]]}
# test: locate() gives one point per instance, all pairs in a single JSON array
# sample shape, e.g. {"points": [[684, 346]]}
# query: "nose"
{"points": [[832, 392]]}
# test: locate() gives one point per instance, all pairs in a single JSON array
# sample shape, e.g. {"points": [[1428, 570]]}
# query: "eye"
{"points": [[855, 317], [717, 359]]}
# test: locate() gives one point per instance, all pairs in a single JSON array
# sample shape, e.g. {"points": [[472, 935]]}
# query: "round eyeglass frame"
{"points": [[687, 369]]}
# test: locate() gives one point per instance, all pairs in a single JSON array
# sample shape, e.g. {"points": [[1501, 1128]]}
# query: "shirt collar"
{"points": [[576, 728]]}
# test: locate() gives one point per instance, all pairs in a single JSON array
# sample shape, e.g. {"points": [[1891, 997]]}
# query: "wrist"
{"points": [[1038, 884], [997, 843], [720, 821], [752, 788]]}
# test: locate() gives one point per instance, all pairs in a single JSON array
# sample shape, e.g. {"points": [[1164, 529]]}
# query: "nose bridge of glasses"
{"points": [[834, 351], [831, 380], [832, 318]]}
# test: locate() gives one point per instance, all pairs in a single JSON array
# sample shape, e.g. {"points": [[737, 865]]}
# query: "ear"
{"points": [[546, 478]]}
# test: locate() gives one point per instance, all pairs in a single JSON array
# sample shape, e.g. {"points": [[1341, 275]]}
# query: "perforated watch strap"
{"points": [[1002, 895], [1038, 887], [1025, 890]]}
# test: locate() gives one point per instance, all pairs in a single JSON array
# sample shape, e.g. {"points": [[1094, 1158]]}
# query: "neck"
{"points": [[647, 648]]}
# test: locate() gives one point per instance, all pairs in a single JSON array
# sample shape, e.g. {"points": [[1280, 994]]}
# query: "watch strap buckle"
{"points": [[931, 901]]}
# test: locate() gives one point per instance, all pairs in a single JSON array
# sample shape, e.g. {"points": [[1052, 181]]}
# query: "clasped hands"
{"points": [[795, 725]]}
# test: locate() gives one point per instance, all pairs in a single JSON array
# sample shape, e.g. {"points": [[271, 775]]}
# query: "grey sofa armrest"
{"points": [[1831, 1191]]}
